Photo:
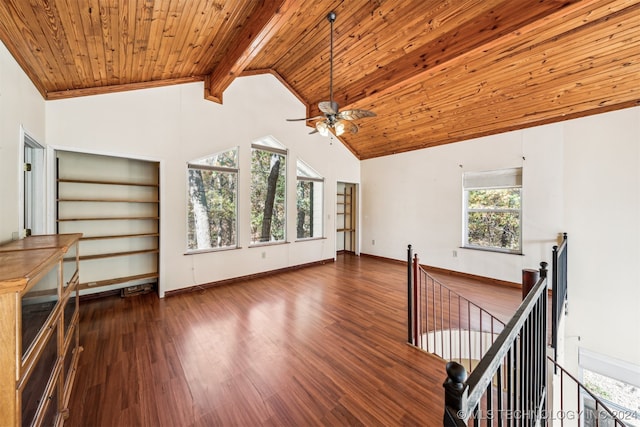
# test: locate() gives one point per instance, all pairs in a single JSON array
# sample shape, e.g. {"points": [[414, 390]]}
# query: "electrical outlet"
{"points": [[373, 242], [264, 254], [455, 254]]}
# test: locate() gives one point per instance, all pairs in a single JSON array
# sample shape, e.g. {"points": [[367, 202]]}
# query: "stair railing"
{"points": [[559, 290], [445, 323], [577, 405], [509, 385]]}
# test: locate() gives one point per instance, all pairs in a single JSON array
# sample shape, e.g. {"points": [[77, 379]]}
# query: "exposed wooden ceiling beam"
{"points": [[486, 33], [263, 26]]}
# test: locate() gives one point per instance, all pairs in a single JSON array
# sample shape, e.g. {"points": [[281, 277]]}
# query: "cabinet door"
{"points": [[37, 309], [38, 391]]}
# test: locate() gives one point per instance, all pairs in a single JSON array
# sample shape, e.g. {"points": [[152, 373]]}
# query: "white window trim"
{"points": [[224, 169], [608, 366], [320, 179], [321, 215], [284, 152], [492, 180]]}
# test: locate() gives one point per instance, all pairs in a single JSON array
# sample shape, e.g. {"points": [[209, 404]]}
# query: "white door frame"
{"points": [[32, 189]]}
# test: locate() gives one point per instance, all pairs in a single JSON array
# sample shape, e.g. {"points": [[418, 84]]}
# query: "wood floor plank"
{"points": [[324, 345]]}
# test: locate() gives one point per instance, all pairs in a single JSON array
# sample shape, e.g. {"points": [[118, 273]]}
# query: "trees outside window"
{"points": [[493, 210], [212, 208], [268, 191], [309, 201]]}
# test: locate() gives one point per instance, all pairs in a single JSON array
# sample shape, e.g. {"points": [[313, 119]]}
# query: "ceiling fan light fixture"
{"points": [[339, 121], [322, 128]]}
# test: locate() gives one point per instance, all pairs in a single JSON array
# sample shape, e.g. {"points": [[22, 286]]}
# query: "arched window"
{"points": [[268, 191]]}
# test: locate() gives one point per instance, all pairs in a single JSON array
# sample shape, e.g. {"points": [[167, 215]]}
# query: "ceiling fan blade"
{"points": [[355, 114], [305, 119], [328, 107]]}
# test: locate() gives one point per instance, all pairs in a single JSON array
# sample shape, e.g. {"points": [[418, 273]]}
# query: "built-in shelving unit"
{"points": [[115, 203], [39, 329], [345, 217]]}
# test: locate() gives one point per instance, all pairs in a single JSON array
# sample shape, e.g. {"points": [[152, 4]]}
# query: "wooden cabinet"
{"points": [[38, 329], [114, 202]]}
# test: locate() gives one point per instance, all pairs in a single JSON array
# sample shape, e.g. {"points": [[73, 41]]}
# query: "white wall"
{"points": [[580, 176], [602, 213], [416, 198], [176, 124], [20, 105]]}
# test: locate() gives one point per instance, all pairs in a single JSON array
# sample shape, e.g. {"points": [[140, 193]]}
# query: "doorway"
{"points": [[33, 208], [346, 218]]}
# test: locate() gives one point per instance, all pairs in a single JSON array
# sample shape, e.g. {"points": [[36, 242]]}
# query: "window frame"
{"points": [[269, 144], [194, 165], [495, 180], [305, 178]]}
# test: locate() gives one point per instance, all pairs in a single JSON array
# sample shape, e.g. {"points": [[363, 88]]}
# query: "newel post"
{"points": [[529, 279], [454, 391], [543, 269]]}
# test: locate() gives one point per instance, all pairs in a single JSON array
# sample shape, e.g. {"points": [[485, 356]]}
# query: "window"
{"points": [[616, 382], [309, 192], [493, 210], [268, 190], [212, 208]]}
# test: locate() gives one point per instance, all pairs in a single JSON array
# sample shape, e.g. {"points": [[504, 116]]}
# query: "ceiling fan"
{"points": [[333, 118]]}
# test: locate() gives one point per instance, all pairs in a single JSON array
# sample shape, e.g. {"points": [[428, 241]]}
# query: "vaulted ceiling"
{"points": [[434, 71]]}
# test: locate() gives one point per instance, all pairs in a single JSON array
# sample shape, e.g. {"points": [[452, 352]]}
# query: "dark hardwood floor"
{"points": [[323, 345]]}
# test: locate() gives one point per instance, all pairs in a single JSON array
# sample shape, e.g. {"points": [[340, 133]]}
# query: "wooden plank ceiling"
{"points": [[434, 71]]}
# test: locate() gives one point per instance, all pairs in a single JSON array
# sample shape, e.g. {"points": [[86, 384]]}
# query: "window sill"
{"points": [[204, 251], [263, 244], [309, 239], [494, 250]]}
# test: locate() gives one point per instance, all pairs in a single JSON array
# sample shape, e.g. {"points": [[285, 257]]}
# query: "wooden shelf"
{"points": [[108, 218], [117, 280], [114, 202], [121, 236], [345, 220], [100, 182], [115, 254]]}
